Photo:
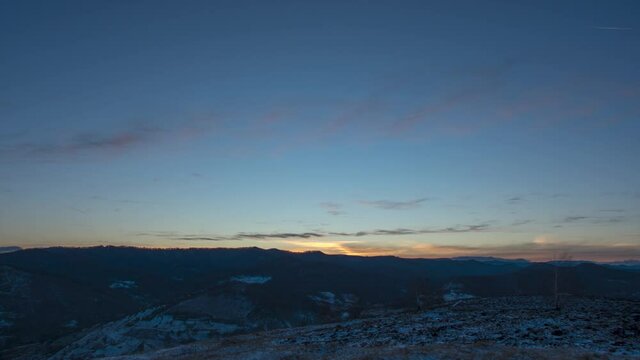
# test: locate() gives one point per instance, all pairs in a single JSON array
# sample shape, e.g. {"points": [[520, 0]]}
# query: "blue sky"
{"points": [[426, 128]]}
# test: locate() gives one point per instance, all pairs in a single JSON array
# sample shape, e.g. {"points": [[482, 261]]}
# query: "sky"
{"points": [[407, 128]]}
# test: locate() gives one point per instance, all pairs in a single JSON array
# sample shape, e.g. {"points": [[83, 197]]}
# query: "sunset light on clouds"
{"points": [[414, 128]]}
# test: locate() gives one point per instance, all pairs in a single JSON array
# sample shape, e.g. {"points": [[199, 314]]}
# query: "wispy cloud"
{"points": [[239, 237], [570, 219], [613, 210], [521, 222], [236, 237], [608, 220], [402, 231], [84, 143], [449, 102], [315, 234], [395, 205], [483, 82], [199, 238], [613, 28], [333, 208], [105, 142], [593, 219], [266, 236], [515, 200], [600, 103]]}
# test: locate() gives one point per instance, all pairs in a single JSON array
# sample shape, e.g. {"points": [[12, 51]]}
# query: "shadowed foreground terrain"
{"points": [[255, 349], [500, 328], [254, 303]]}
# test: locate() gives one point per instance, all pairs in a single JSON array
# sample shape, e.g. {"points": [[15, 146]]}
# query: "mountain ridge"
{"points": [[267, 288]]}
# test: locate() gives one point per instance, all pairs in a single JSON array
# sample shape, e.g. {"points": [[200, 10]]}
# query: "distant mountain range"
{"points": [[50, 298], [7, 249], [494, 260]]}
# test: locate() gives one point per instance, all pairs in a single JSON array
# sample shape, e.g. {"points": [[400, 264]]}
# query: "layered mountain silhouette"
{"points": [[66, 293]]}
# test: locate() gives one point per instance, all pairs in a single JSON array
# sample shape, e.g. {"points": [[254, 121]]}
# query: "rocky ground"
{"points": [[509, 328]]}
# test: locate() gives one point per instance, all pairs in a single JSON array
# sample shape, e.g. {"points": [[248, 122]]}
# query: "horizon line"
{"points": [[458, 257]]}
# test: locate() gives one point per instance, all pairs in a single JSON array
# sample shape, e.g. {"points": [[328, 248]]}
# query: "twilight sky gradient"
{"points": [[418, 129]]}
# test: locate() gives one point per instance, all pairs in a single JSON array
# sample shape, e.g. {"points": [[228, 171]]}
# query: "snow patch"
{"points": [[148, 330], [251, 279], [123, 284], [324, 297], [454, 293], [341, 304], [71, 324], [455, 296]]}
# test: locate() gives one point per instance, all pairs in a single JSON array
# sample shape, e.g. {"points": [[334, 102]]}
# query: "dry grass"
{"points": [[259, 350]]}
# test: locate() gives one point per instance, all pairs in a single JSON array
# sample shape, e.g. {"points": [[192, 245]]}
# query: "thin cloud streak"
{"points": [[400, 231], [83, 143], [593, 219], [333, 208], [310, 235], [571, 219], [116, 142], [613, 28], [521, 222], [260, 236], [199, 238], [486, 81], [395, 205], [515, 200]]}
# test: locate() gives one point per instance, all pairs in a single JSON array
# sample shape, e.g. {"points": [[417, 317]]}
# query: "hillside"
{"points": [[500, 328], [59, 300]]}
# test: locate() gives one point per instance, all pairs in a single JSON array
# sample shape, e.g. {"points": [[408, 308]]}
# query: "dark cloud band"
{"points": [[309, 235]]}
